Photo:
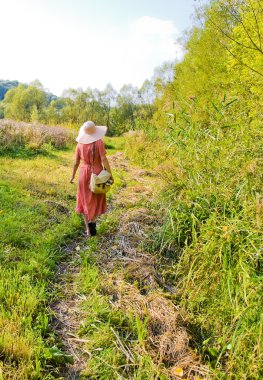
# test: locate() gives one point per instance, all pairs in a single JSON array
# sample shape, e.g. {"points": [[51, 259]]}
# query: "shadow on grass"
{"points": [[27, 154], [109, 146]]}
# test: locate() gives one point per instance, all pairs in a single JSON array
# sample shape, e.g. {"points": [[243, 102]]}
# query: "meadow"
{"points": [[37, 220], [196, 128], [206, 246], [37, 223]]}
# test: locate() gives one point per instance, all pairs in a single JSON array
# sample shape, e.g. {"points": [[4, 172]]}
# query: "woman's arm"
{"points": [[103, 158], [106, 164], [75, 168]]}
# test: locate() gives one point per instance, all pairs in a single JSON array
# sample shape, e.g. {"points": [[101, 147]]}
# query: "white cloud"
{"points": [[62, 53], [151, 42]]}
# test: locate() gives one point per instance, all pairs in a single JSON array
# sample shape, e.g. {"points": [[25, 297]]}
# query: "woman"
{"points": [[89, 204]]}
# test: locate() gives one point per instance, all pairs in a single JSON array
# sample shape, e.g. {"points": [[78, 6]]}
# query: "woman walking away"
{"points": [[91, 152]]}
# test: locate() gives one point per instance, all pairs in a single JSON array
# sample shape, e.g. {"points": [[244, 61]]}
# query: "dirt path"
{"points": [[132, 284], [68, 314]]}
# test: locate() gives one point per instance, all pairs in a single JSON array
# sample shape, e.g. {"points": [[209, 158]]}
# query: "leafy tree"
{"points": [[22, 101], [109, 97], [127, 101], [2, 110], [6, 85], [163, 75]]}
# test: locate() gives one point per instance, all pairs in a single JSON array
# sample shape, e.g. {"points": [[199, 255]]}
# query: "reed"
{"points": [[210, 239]]}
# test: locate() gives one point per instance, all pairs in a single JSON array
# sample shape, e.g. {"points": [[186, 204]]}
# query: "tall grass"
{"points": [[210, 202], [16, 135]]}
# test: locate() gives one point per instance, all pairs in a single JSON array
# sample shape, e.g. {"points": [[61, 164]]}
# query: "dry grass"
{"points": [[15, 134], [14, 343], [167, 336], [133, 287]]}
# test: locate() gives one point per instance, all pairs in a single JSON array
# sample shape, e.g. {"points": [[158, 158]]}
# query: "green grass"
{"points": [[36, 220], [114, 144], [209, 202], [210, 241]]}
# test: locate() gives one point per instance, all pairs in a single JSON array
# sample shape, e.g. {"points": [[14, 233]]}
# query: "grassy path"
{"points": [[113, 318], [73, 308]]}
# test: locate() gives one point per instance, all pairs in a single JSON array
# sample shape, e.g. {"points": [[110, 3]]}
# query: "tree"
{"points": [[239, 28], [147, 96], [2, 110], [127, 100], [22, 101], [6, 85], [163, 75], [109, 98]]}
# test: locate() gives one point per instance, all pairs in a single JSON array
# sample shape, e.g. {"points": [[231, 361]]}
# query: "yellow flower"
{"points": [[177, 371]]}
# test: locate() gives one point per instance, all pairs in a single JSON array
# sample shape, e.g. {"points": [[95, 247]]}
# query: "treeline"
{"points": [[205, 144], [130, 108], [5, 85]]}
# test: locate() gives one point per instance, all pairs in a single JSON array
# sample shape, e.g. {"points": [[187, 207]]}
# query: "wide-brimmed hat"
{"points": [[89, 132]]}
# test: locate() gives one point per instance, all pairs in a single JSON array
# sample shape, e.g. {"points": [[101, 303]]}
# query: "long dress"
{"points": [[89, 203]]}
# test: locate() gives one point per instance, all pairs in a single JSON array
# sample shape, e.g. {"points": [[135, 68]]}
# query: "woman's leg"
{"points": [[86, 220], [90, 225]]}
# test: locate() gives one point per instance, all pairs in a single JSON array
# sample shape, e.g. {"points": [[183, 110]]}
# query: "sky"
{"points": [[89, 43]]}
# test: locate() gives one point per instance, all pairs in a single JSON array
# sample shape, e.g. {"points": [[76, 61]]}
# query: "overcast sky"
{"points": [[89, 43]]}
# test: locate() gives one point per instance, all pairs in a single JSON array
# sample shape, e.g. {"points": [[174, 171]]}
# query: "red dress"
{"points": [[89, 203]]}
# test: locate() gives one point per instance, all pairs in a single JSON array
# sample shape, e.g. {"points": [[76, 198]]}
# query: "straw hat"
{"points": [[89, 132]]}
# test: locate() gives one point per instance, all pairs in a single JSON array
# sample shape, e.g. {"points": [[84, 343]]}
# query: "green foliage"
{"points": [[25, 103], [57, 357], [132, 108], [6, 85], [206, 149], [211, 234], [2, 110]]}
